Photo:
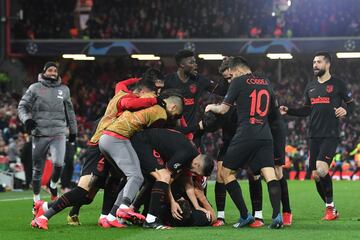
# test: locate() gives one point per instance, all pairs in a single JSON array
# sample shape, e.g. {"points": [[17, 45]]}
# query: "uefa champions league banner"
{"points": [[169, 47]]}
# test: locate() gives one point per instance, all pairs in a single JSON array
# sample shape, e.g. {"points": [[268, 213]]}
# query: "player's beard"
{"points": [[190, 73], [319, 73]]}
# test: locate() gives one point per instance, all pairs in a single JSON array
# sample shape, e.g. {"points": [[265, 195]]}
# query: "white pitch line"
{"points": [[16, 199]]}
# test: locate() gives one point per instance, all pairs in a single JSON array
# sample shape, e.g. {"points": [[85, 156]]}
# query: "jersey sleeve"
{"points": [[305, 110], [181, 159], [233, 92], [123, 85], [132, 103]]}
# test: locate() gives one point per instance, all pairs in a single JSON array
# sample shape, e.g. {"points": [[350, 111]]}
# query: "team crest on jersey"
{"points": [[193, 88], [329, 88]]}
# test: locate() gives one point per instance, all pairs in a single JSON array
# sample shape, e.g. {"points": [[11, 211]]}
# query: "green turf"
{"points": [[306, 205]]}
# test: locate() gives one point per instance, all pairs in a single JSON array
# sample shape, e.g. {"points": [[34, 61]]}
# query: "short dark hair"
{"points": [[208, 165], [326, 56], [225, 64], [152, 74], [182, 54], [172, 92], [145, 84], [238, 62]]}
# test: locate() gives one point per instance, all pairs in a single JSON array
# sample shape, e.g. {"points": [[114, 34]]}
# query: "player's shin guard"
{"points": [[234, 190], [328, 188], [77, 196], [255, 188], [220, 196], [275, 196], [285, 200], [320, 189], [158, 198]]}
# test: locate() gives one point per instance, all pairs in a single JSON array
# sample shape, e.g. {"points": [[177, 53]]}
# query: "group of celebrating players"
{"points": [[145, 152]]}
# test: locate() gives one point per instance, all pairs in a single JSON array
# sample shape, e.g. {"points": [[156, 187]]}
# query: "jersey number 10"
{"points": [[256, 98]]}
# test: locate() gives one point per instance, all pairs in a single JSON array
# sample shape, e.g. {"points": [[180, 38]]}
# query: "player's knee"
{"points": [[37, 174], [321, 172], [227, 176], [316, 176], [278, 173], [59, 164], [138, 179], [224, 175], [219, 177]]}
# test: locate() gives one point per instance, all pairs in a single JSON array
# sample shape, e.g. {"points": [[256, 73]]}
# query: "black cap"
{"points": [[50, 64]]}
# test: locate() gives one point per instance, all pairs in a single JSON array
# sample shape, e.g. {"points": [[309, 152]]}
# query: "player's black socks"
{"points": [[234, 190], [158, 198], [328, 188], [75, 210], [50, 204], [75, 197], [36, 186], [111, 192], [285, 200], [320, 189], [56, 174], [255, 188], [275, 196], [114, 209], [53, 191], [220, 196], [55, 178]]}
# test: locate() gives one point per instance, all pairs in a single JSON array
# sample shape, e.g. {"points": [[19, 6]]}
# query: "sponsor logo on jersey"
{"points": [[189, 101], [320, 100], [255, 121]]}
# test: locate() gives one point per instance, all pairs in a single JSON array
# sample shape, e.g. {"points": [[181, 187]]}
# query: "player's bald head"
{"points": [[175, 101]]}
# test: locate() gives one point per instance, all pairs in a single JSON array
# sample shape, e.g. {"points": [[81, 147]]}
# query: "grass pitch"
{"points": [[308, 209]]}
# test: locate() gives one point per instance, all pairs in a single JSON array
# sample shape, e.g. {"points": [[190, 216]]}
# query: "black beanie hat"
{"points": [[50, 64]]}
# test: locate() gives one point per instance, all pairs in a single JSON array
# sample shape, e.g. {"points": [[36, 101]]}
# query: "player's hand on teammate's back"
{"points": [[176, 210], [340, 112], [283, 110]]}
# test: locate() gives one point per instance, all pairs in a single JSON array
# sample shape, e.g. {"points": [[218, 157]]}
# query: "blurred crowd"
{"points": [[188, 19], [92, 86]]}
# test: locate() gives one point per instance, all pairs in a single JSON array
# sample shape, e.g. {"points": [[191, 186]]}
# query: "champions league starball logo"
{"points": [[190, 46], [350, 45], [32, 48]]}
